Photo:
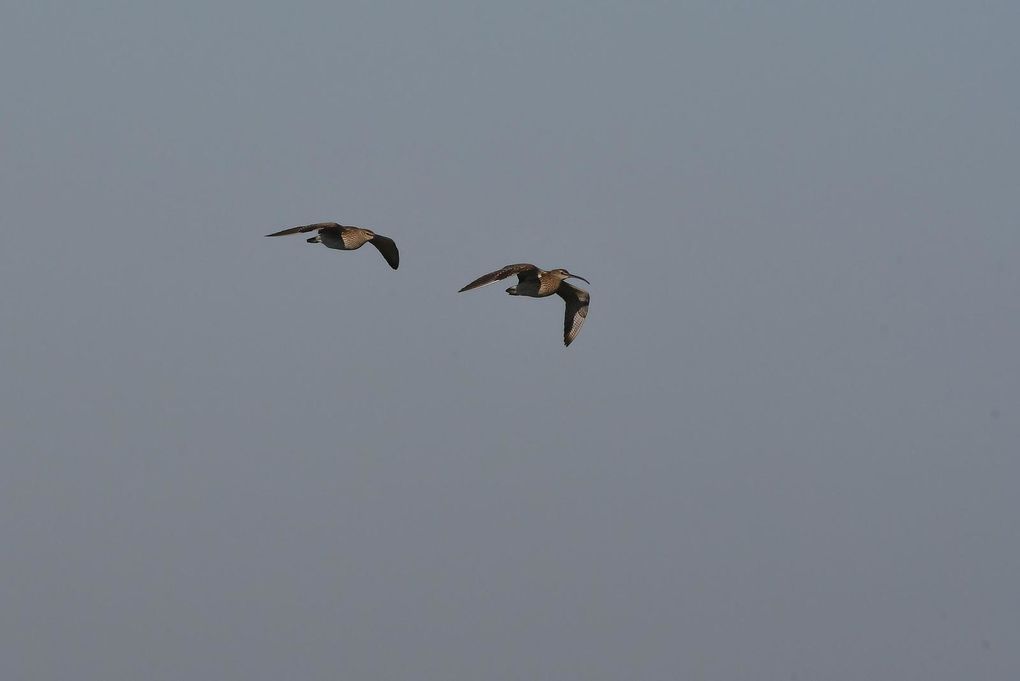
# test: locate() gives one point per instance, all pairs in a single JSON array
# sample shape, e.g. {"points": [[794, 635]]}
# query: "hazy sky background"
{"points": [[786, 444]]}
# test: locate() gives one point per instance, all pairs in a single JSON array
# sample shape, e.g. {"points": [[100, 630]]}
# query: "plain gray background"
{"points": [[786, 444]]}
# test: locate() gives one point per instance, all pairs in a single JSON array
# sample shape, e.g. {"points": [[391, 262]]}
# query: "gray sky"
{"points": [[786, 444]]}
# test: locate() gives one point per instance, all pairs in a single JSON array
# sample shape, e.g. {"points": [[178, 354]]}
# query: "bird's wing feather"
{"points": [[523, 270], [577, 310], [304, 228], [388, 249]]}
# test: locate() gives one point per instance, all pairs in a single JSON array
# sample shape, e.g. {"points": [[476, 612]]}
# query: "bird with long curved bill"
{"points": [[535, 282], [333, 235]]}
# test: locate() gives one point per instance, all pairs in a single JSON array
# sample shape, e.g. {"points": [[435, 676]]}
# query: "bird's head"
{"points": [[563, 274]]}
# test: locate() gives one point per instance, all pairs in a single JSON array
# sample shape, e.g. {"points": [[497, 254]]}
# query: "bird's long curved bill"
{"points": [[581, 278]]}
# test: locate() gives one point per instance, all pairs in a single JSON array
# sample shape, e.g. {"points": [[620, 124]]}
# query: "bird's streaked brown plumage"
{"points": [[344, 238], [535, 282]]}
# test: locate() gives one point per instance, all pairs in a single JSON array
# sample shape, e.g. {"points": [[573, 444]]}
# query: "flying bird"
{"points": [[332, 235], [538, 283]]}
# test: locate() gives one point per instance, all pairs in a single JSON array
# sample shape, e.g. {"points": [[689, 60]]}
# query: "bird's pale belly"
{"points": [[534, 289], [332, 239]]}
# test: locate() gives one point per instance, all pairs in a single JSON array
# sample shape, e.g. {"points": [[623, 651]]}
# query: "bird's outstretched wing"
{"points": [[304, 228], [388, 249], [523, 269], [577, 310]]}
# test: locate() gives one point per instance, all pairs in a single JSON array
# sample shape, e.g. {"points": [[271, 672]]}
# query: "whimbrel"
{"points": [[539, 283], [332, 235]]}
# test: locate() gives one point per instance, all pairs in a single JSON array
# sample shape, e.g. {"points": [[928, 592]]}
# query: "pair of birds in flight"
{"points": [[531, 280]]}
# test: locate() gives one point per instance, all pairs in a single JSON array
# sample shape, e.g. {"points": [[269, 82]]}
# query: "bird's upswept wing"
{"points": [[523, 270], [304, 228], [577, 310], [388, 249]]}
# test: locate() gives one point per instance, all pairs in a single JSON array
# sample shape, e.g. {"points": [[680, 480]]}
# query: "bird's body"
{"points": [[344, 238], [535, 282]]}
